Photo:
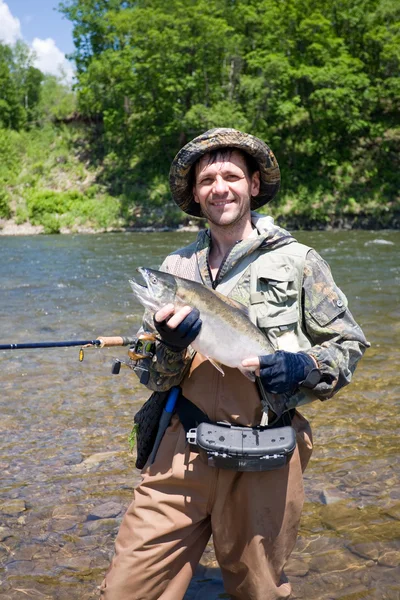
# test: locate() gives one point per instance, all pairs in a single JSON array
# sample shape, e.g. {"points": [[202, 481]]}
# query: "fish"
{"points": [[227, 336]]}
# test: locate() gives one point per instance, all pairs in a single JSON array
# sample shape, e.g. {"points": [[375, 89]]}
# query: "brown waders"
{"points": [[181, 501]]}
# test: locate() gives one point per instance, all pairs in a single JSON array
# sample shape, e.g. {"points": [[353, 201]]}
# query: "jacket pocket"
{"points": [[275, 298], [275, 286], [329, 309], [274, 302]]}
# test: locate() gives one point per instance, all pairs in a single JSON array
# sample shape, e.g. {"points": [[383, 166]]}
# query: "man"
{"points": [[224, 175]]}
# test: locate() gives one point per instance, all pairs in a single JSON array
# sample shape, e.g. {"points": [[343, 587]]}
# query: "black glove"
{"points": [[179, 338], [282, 372]]}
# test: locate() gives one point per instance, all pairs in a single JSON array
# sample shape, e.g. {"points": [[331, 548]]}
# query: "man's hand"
{"points": [[177, 329], [282, 372]]}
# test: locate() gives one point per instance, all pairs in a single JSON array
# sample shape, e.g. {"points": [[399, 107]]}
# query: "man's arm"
{"points": [[337, 345], [338, 341]]}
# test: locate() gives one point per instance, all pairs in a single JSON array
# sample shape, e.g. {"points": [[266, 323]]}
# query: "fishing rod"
{"points": [[100, 342]]}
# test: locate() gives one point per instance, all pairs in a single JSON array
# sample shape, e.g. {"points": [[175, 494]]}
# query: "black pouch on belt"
{"points": [[146, 425], [244, 448]]}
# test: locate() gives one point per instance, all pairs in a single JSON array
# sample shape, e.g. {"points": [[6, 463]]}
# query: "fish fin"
{"points": [[216, 365], [232, 302], [247, 373]]}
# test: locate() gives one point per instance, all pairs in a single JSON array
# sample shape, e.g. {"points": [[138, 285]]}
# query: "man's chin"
{"points": [[225, 219]]}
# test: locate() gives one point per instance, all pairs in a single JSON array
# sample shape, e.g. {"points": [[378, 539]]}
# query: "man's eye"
{"points": [[207, 181]]}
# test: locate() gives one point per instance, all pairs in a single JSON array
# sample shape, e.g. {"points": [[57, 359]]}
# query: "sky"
{"points": [[46, 31]]}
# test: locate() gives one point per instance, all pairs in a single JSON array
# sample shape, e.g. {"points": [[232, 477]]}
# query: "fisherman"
{"points": [[224, 175]]}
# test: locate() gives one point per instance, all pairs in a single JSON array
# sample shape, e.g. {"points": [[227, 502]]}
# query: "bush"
{"points": [[5, 210], [54, 210]]}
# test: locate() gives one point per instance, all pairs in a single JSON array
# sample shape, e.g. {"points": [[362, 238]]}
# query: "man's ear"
{"points": [[195, 195], [255, 184]]}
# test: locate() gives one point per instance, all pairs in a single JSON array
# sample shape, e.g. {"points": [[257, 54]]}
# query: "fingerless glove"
{"points": [[179, 338], [282, 372]]}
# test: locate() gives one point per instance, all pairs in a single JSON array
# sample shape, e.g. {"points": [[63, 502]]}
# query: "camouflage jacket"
{"points": [[337, 346]]}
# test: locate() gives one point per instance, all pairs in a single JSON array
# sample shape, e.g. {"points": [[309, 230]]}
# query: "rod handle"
{"points": [[116, 340]]}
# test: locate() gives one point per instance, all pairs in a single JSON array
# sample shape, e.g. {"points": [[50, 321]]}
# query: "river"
{"points": [[66, 471]]}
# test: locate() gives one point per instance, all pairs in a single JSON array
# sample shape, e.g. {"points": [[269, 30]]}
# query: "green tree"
{"points": [[319, 81], [57, 101], [20, 85], [12, 112]]}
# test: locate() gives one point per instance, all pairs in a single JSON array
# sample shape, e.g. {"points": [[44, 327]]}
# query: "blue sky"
{"points": [[43, 28]]}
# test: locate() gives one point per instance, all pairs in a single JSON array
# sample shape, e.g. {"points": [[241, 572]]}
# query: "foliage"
{"points": [[27, 96], [57, 101], [20, 84], [43, 181], [319, 81], [55, 209]]}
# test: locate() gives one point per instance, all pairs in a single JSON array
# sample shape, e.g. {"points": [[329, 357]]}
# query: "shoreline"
{"points": [[10, 228]]}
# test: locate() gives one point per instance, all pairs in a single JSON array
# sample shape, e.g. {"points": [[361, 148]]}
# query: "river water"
{"points": [[66, 471]]}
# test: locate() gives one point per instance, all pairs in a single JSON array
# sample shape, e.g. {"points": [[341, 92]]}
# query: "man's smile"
{"points": [[220, 202]]}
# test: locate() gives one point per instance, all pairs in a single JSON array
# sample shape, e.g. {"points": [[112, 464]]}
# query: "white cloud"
{"points": [[50, 59], [10, 27]]}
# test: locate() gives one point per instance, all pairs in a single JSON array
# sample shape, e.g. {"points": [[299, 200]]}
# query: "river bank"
{"points": [[51, 182], [343, 223]]}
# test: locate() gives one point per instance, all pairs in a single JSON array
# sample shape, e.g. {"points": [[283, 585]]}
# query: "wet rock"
{"points": [[20, 567], [75, 563], [12, 507], [63, 524], [391, 558], [66, 511], [319, 544], [367, 551], [106, 511], [87, 543], [98, 457], [297, 567], [331, 496], [100, 526], [5, 533], [26, 553], [73, 459], [334, 562], [339, 517], [394, 512]]}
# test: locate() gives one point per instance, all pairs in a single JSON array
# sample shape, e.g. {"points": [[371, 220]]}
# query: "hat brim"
{"points": [[180, 180]]}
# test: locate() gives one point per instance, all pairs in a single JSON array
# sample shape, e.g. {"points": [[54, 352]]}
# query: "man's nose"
{"points": [[220, 185]]}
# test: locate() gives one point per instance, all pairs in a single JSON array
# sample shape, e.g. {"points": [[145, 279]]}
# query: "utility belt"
{"points": [[238, 448]]}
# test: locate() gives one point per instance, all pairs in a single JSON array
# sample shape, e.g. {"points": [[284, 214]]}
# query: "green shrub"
{"points": [[21, 214], [5, 210], [51, 223], [54, 210]]}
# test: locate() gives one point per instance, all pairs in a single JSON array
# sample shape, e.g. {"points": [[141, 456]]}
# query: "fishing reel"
{"points": [[143, 346]]}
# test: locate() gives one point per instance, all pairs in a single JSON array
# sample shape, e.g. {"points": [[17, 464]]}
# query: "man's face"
{"points": [[224, 188]]}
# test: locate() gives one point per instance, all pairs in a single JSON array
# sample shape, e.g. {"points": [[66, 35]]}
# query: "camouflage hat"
{"points": [[180, 174]]}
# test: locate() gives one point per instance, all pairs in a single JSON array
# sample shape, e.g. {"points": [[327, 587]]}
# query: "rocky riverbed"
{"points": [[67, 475]]}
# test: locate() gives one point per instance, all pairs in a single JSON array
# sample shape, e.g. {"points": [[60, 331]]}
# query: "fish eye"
{"points": [[153, 279]]}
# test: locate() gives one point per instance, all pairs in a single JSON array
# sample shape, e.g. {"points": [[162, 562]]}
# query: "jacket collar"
{"points": [[265, 235]]}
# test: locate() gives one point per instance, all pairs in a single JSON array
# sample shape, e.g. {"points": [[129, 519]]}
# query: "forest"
{"points": [[318, 81]]}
